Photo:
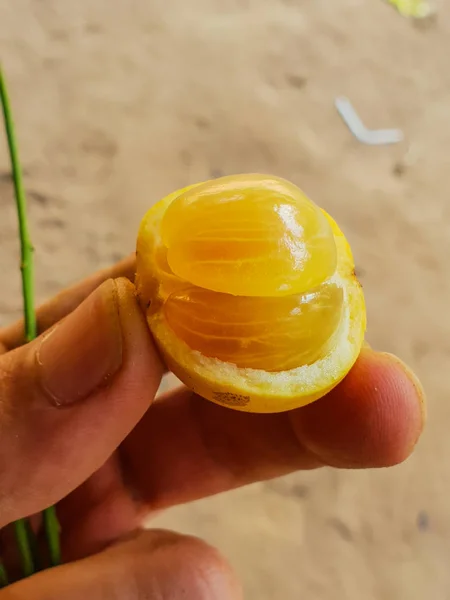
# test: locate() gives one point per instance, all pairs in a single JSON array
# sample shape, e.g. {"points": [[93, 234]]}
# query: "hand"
{"points": [[76, 429]]}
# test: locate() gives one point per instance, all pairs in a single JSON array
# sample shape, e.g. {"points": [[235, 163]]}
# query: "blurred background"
{"points": [[118, 103]]}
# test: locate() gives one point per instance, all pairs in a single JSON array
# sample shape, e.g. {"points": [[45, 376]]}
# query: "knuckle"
{"points": [[203, 569], [186, 564], [6, 390], [20, 387]]}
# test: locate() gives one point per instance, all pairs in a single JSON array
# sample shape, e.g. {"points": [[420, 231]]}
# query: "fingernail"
{"points": [[415, 382], [84, 351]]}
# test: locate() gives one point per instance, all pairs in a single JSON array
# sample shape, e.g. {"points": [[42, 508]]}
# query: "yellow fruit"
{"points": [[250, 293]]}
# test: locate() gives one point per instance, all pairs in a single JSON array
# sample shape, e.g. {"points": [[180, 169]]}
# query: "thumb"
{"points": [[153, 564], [70, 397]]}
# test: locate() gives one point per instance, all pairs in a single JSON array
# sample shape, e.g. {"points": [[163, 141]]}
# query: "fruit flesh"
{"points": [[249, 236], [273, 334], [251, 260]]}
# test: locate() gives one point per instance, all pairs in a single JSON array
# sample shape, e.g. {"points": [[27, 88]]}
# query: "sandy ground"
{"points": [[119, 102]]}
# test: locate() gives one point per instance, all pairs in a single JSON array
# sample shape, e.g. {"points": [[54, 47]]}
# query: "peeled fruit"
{"points": [[230, 238], [249, 290]]}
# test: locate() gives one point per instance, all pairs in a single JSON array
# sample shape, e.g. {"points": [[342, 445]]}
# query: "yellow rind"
{"points": [[252, 390]]}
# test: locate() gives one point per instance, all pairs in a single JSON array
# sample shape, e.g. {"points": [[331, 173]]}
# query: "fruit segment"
{"points": [[273, 334], [249, 236]]}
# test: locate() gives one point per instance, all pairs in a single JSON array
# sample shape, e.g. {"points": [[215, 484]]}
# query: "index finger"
{"points": [[65, 302], [186, 448]]}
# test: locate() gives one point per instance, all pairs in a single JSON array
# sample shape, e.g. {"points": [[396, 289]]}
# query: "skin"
{"points": [[78, 427]]}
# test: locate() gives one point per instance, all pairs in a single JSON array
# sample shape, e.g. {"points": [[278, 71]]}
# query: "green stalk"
{"points": [[51, 525], [24, 545], [34, 546], [26, 266], [26, 248], [3, 576]]}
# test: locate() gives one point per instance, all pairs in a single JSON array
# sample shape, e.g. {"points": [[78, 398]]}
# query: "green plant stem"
{"points": [[26, 266], [34, 546], [26, 248], [51, 525], [24, 545], [3, 576]]}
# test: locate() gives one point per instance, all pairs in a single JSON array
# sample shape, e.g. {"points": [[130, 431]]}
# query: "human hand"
{"points": [[77, 429]]}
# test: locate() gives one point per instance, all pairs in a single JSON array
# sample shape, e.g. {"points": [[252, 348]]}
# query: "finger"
{"points": [[68, 399], [186, 448], [153, 564], [373, 419], [65, 302]]}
